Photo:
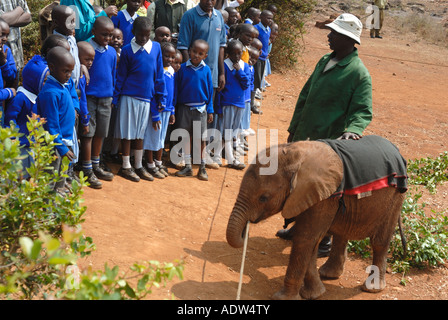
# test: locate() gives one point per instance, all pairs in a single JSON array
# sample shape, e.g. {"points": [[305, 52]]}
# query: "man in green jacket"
{"points": [[336, 101]]}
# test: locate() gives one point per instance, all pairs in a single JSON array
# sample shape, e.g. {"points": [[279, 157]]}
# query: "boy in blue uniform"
{"points": [[55, 104], [7, 64], [99, 94], [264, 34], [125, 19], [194, 87]]}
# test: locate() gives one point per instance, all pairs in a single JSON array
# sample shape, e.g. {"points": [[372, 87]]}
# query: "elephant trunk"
{"points": [[236, 226]]}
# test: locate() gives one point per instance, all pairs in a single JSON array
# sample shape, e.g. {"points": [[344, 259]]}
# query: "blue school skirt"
{"points": [[132, 118], [245, 122], [155, 139]]}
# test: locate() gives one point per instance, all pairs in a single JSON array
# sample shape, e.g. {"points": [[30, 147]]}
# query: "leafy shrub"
{"points": [[429, 171], [40, 236]]}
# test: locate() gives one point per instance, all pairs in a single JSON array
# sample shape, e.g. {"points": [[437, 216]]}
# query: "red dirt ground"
{"points": [[184, 218]]}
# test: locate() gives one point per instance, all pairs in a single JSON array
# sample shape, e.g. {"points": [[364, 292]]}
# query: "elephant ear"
{"points": [[319, 175]]}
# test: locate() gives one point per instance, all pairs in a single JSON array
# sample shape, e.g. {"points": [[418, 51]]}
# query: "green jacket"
{"points": [[333, 102]]}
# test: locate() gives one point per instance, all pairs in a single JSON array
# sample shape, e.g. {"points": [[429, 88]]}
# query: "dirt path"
{"points": [[179, 218]]}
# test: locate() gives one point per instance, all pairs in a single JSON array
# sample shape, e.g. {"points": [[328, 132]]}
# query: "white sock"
{"points": [[138, 156], [126, 163], [229, 152], [187, 158], [158, 163], [151, 165]]}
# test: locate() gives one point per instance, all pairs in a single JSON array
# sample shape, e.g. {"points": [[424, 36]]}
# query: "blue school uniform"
{"points": [[102, 72], [194, 86], [155, 139], [84, 116], [264, 36], [75, 54], [140, 80], [55, 104], [245, 122], [124, 22], [9, 69]]}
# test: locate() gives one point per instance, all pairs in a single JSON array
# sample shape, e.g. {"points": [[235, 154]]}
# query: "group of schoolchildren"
{"points": [[121, 93]]}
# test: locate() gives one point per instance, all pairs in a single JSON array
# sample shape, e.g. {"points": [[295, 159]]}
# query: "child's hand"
{"points": [[85, 129], [160, 108], [85, 72], [210, 118], [236, 66], [172, 119], [156, 125], [70, 155], [14, 92]]}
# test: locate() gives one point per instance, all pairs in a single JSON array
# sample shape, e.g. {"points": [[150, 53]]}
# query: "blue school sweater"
{"points": [[21, 106], [55, 104], [140, 74], [168, 74], [264, 35], [194, 85], [84, 116], [237, 82], [124, 22], [9, 69], [103, 71], [251, 73]]}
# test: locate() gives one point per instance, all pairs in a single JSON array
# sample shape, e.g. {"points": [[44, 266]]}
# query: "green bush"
{"points": [[40, 235]]}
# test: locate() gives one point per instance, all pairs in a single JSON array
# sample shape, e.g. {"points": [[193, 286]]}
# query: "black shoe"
{"points": [[255, 110], [237, 165], [129, 174], [185, 172], [324, 247], [92, 179], [285, 234], [379, 37], [103, 174], [155, 172], [145, 175], [202, 174], [163, 169]]}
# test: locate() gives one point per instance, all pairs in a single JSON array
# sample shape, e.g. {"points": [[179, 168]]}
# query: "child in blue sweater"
{"points": [[21, 106], [5, 93], [125, 19], [55, 104], [264, 33], [140, 80], [194, 87], [156, 133], [245, 122], [99, 92], [7, 64], [232, 99]]}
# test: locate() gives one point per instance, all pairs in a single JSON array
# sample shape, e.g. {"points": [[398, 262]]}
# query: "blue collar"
{"points": [[266, 29], [203, 13]]}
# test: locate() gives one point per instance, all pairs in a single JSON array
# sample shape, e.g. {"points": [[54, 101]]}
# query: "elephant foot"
{"points": [[314, 292], [330, 271], [286, 295], [373, 286]]}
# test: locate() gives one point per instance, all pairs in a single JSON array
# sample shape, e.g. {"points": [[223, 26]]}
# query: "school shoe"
{"points": [[185, 172], [217, 160], [163, 169], [267, 83], [202, 174], [144, 174], [92, 179], [155, 172], [239, 150], [103, 174], [128, 174], [237, 165]]}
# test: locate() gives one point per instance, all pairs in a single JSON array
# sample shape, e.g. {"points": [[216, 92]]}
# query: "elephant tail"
{"points": [[403, 237]]}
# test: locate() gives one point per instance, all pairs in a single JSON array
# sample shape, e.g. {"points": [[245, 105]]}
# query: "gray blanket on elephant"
{"points": [[370, 163]]}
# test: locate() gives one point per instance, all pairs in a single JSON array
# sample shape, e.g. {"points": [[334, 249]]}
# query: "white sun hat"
{"points": [[348, 25]]}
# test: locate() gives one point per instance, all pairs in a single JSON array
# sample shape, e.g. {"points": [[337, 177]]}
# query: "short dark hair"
{"points": [[141, 23], [57, 54], [102, 21], [50, 42], [199, 41], [233, 44]]}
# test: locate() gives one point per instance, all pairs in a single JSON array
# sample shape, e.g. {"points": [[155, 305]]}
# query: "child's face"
{"points": [[142, 35], [63, 70], [253, 56], [168, 56], [102, 34], [117, 38], [267, 19], [236, 53], [233, 17], [198, 52], [162, 35], [247, 37], [4, 32], [256, 18], [132, 5], [177, 62], [86, 58]]}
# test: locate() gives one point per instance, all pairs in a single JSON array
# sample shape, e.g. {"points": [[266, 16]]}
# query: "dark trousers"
{"points": [[259, 72]]}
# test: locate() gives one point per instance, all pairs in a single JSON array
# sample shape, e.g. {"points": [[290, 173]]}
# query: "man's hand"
{"points": [[221, 81], [156, 125], [172, 119], [85, 73], [349, 135], [111, 11]]}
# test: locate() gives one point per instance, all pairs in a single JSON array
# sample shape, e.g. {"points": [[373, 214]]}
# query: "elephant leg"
{"points": [[334, 266], [313, 287]]}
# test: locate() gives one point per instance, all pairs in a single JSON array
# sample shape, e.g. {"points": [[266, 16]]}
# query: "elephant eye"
{"points": [[263, 198]]}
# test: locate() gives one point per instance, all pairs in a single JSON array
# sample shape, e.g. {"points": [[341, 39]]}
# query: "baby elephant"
{"points": [[351, 189]]}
